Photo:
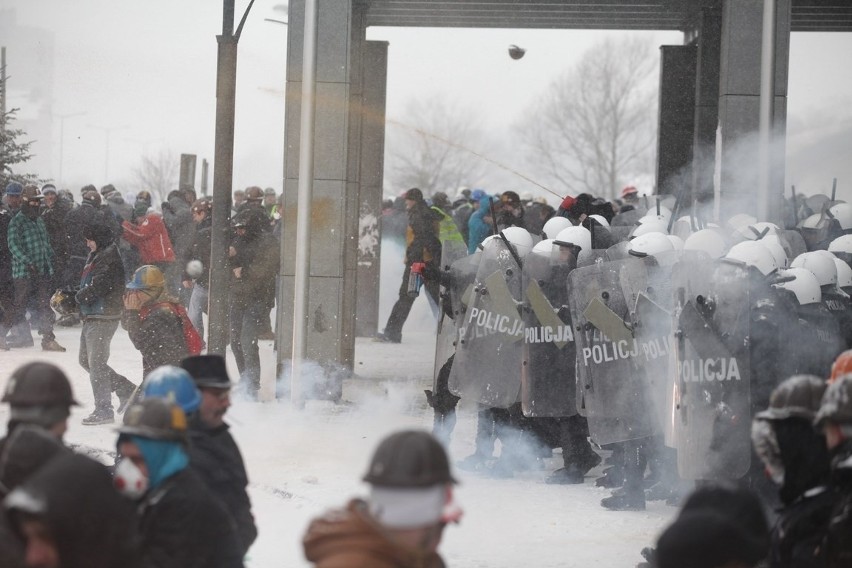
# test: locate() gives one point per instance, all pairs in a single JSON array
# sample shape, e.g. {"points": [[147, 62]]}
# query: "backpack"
{"points": [[194, 342]]}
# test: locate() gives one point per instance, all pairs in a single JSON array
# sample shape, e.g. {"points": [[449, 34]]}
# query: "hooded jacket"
{"points": [[478, 228], [102, 280], [92, 524], [349, 538], [178, 220]]}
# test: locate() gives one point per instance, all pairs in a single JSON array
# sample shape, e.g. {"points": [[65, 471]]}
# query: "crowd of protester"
{"points": [[98, 260]]}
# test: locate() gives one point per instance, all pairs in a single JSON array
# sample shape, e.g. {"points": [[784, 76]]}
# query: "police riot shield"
{"points": [[487, 365], [548, 385], [712, 420], [589, 257], [612, 385], [457, 272]]}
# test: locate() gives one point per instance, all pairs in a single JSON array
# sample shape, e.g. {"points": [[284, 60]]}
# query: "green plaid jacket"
{"points": [[29, 245]]}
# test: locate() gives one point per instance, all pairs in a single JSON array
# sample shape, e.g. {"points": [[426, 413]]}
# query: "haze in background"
{"points": [[146, 71]]}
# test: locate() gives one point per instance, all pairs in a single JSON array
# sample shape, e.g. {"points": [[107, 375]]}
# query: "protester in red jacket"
{"points": [[148, 234]]}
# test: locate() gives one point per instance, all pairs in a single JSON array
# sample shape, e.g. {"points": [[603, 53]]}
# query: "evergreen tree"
{"points": [[13, 152]]}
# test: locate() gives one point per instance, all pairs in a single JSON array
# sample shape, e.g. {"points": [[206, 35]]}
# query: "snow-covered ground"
{"points": [[302, 462]]}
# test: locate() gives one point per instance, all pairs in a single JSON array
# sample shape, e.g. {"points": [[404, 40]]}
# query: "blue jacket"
{"points": [[478, 229]]}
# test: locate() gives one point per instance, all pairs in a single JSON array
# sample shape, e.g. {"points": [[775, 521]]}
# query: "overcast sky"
{"points": [[147, 71]]}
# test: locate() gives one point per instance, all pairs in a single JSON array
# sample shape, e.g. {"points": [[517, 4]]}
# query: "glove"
{"points": [[418, 267]]}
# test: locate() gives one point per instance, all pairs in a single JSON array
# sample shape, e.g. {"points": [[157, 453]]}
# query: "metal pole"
{"points": [[2, 98], [223, 164], [106, 158], [767, 93], [62, 146], [303, 211], [223, 176]]}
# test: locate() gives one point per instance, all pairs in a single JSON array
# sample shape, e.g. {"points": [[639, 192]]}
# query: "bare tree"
{"points": [[436, 147], [595, 127], [158, 174]]}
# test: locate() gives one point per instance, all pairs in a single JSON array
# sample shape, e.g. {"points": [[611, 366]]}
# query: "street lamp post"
{"points": [[62, 118], [223, 174], [107, 130]]}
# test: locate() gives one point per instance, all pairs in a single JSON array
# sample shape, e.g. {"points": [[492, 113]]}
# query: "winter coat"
{"points": [[184, 526], [422, 235], [215, 457], [5, 253], [447, 229], [102, 284], [349, 538], [837, 543], [478, 227], [150, 237], [200, 250], [54, 220], [30, 246], [158, 336], [462, 210], [75, 220], [177, 217], [800, 527], [258, 256], [92, 525]]}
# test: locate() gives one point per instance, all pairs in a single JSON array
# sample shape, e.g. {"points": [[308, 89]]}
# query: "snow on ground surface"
{"points": [[302, 462]]}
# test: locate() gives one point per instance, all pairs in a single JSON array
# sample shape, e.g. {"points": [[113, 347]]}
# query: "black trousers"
{"points": [[402, 307], [35, 292]]}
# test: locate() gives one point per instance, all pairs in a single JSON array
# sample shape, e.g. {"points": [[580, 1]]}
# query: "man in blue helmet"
{"points": [[175, 385], [181, 523]]}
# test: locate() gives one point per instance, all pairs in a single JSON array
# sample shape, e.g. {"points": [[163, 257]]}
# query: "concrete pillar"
{"points": [[374, 74], [739, 90], [676, 121], [706, 103], [333, 208]]}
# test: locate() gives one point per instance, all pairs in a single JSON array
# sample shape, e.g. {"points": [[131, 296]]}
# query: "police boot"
{"points": [[613, 476], [473, 462], [630, 499], [569, 475]]}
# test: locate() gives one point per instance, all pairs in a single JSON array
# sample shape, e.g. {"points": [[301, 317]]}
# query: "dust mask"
{"points": [[130, 480]]}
